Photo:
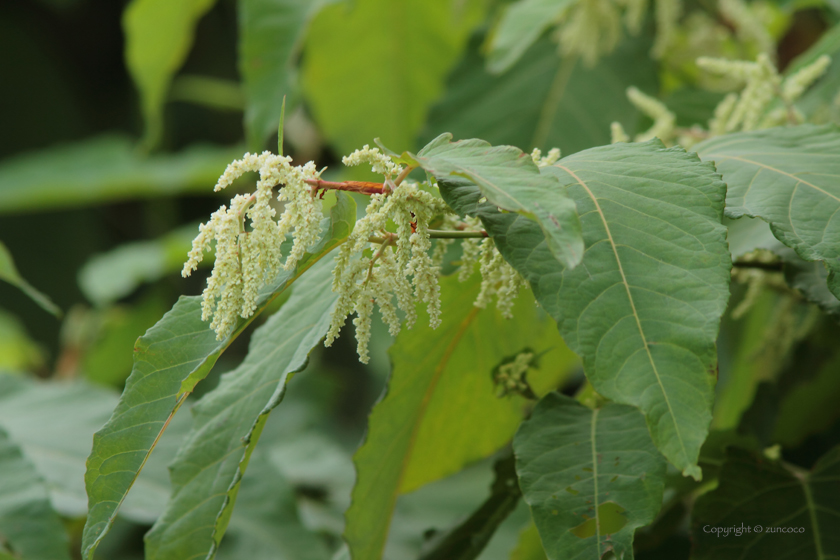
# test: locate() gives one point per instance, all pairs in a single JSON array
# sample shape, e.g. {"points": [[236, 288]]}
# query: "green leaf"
{"points": [[271, 34], [591, 477], [520, 27], [470, 537], [544, 101], [18, 351], [788, 178], [10, 274], [28, 523], [643, 307], [110, 276], [265, 525], [53, 423], [755, 492], [440, 411], [105, 169], [158, 36], [170, 359], [207, 472], [373, 69], [510, 180]]}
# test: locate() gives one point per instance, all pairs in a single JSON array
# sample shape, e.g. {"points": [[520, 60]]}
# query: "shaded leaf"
{"points": [[110, 276], [643, 307], [373, 67], [158, 37], [10, 274], [468, 539], [529, 546], [170, 359], [788, 178], [510, 180], [265, 525], [28, 523], [105, 169], [591, 477], [756, 492], [53, 423], [271, 34], [440, 411], [228, 421], [521, 25], [544, 101]]}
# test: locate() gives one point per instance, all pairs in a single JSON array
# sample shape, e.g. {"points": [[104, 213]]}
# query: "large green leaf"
{"points": [[228, 421], [372, 67], [10, 274], [591, 477], [28, 523], [53, 423], [762, 498], [440, 411], [520, 27], [105, 169], [158, 36], [169, 360], [788, 178], [271, 36], [510, 180], [544, 101], [643, 307]]}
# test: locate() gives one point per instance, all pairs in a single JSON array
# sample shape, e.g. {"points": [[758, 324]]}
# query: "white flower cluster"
{"points": [[379, 162], [511, 377], [544, 161], [752, 109], [247, 259], [396, 265], [762, 85], [664, 121]]}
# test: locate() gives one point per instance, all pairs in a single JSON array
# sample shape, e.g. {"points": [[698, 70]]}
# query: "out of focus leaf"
{"points": [[373, 67], [105, 169], [158, 36], [544, 101], [271, 35], [53, 423], [265, 524], [529, 546], [107, 277], [521, 25], [17, 350], [468, 539], [764, 498], [591, 477], [28, 523], [9, 273], [440, 411], [170, 359]]}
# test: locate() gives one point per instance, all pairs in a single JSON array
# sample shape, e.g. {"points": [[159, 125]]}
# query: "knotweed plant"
{"points": [[386, 262]]}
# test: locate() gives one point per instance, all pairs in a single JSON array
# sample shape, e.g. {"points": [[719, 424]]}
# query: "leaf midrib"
{"points": [[583, 184]]}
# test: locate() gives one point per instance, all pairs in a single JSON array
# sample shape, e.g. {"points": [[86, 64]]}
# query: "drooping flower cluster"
{"points": [[247, 258], [766, 100], [386, 262]]}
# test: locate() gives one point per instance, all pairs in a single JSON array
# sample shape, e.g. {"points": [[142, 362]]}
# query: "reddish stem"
{"points": [[363, 187]]}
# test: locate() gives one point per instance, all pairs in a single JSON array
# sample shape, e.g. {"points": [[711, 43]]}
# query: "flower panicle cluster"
{"points": [[390, 266], [751, 109], [548, 159], [246, 259], [511, 378]]}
